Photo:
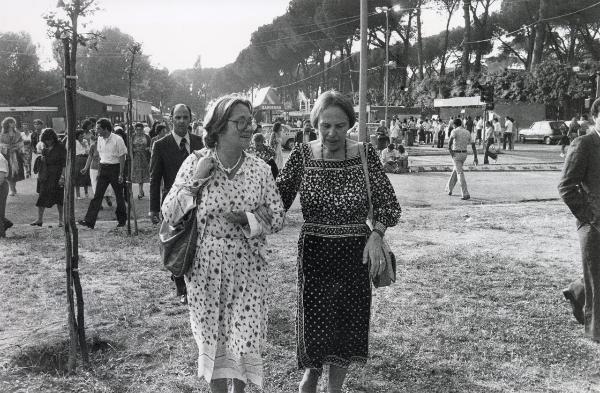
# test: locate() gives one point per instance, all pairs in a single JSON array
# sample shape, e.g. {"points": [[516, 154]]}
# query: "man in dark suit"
{"points": [[580, 190], [168, 153], [306, 135]]}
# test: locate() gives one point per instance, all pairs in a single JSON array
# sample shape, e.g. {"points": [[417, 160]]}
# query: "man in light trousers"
{"points": [[458, 144]]}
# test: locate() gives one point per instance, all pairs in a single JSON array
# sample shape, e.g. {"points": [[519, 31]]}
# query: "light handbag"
{"points": [[388, 275], [178, 243]]}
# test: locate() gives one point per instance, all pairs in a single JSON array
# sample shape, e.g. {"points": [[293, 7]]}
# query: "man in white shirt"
{"points": [[460, 139], [508, 133], [389, 159], [479, 123], [112, 151], [4, 222]]}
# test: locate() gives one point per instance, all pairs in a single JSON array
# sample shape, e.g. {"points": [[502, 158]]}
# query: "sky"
{"points": [[172, 32]]}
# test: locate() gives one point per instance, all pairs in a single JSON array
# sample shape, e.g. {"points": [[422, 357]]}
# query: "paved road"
{"points": [[427, 189]]}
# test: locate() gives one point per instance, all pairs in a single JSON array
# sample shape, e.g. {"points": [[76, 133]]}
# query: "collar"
{"points": [[178, 138], [109, 136]]}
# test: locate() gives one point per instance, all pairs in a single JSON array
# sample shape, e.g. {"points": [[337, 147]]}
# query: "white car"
{"points": [[288, 134]]}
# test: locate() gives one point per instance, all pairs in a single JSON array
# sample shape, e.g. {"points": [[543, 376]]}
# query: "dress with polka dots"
{"points": [[227, 284], [334, 290]]}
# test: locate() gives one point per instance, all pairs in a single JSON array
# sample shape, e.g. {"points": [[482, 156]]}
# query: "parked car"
{"points": [[288, 134], [545, 131], [371, 128]]}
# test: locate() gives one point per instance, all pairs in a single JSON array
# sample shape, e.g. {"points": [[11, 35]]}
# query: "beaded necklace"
{"points": [[230, 169]]}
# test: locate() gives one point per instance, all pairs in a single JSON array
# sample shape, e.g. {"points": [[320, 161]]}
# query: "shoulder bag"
{"points": [[388, 276], [178, 243]]}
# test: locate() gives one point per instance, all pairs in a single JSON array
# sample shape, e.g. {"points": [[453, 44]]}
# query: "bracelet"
{"points": [[380, 233]]}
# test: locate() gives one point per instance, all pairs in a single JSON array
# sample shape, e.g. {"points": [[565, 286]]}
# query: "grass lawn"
{"points": [[478, 308]]}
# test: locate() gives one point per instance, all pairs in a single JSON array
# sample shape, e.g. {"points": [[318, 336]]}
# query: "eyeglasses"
{"points": [[241, 124]]}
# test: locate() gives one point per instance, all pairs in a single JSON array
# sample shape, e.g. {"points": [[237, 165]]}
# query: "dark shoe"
{"points": [[84, 223], [60, 224], [101, 207], [140, 196], [108, 201], [121, 224], [183, 299], [8, 224], [36, 224], [575, 306], [466, 197]]}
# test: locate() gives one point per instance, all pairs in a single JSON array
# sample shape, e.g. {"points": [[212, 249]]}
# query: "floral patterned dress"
{"points": [[334, 289], [227, 284], [141, 159]]}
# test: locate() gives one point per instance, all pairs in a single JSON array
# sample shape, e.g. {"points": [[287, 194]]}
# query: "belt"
{"points": [[459, 151], [103, 164]]}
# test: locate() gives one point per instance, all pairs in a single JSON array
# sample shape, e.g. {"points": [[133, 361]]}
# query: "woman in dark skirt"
{"points": [[335, 245], [51, 178]]}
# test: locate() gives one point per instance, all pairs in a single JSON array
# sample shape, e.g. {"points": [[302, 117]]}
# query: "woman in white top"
{"points": [[27, 150], [395, 132], [82, 149]]}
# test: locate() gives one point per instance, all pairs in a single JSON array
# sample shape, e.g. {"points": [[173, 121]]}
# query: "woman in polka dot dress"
{"points": [[238, 205], [335, 245]]}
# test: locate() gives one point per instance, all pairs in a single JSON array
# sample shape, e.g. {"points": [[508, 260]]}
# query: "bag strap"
{"points": [[362, 148]]}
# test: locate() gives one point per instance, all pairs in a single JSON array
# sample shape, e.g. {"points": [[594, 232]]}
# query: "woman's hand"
{"points": [[84, 170], [374, 253], [264, 214], [237, 217], [204, 167]]}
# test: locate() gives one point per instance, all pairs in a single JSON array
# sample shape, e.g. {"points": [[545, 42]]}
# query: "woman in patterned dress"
{"points": [[12, 143], [140, 173], [238, 205], [335, 245]]}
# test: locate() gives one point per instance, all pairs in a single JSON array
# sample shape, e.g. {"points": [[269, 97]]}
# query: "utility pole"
{"points": [[387, 61], [362, 89], [134, 49]]}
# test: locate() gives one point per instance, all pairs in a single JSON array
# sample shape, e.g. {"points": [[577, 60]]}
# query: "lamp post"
{"points": [[379, 10]]}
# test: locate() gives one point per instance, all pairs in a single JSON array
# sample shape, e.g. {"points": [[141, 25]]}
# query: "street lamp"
{"points": [[380, 10]]}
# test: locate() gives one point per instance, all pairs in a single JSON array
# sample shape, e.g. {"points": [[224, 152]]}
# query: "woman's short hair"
{"points": [[139, 125], [215, 121], [159, 128], [277, 127], [48, 134], [595, 108], [401, 149], [6, 122], [79, 132], [258, 138], [332, 98], [104, 123]]}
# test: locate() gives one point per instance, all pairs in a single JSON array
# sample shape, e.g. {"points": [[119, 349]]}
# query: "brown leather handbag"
{"points": [[388, 275]]}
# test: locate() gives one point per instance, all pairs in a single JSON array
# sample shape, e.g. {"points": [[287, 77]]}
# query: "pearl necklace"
{"points": [[225, 169]]}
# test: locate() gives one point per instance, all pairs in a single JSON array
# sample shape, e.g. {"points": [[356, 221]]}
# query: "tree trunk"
{"points": [[531, 44], [540, 38], [419, 41], [76, 324], [466, 38], [483, 28], [131, 204], [446, 37]]}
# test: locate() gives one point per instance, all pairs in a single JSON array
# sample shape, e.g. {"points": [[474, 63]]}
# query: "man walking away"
{"points": [[508, 133], [112, 151], [579, 188], [168, 153], [458, 144]]}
